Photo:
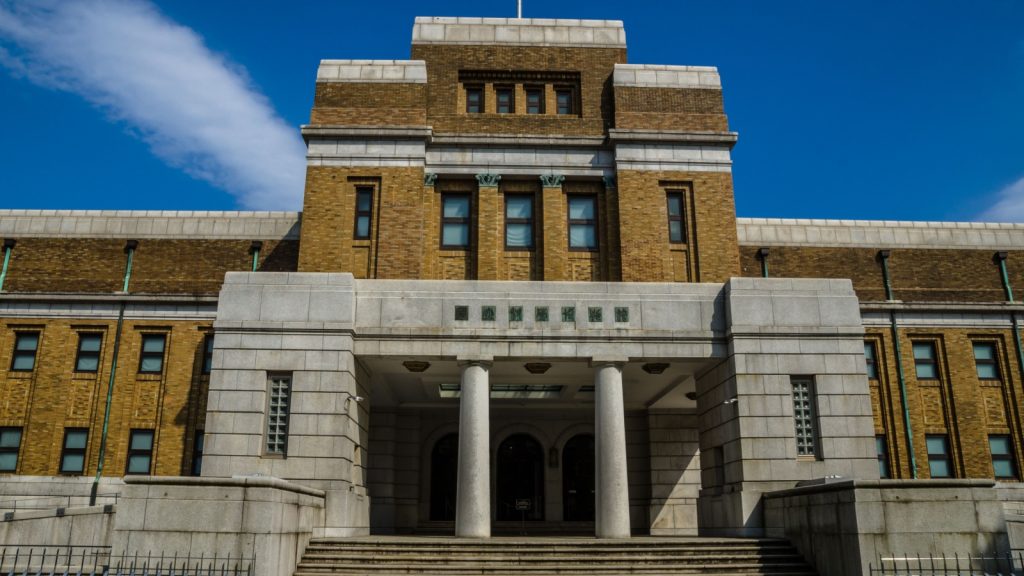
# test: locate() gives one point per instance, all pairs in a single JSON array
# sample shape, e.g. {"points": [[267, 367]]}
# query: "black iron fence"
{"points": [[1010, 564], [27, 560], [50, 502]]}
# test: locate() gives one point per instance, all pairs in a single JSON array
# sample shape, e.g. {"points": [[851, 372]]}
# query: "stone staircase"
{"points": [[383, 555]]}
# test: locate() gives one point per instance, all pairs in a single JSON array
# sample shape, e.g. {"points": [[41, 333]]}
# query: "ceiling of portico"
{"points": [[392, 385]]}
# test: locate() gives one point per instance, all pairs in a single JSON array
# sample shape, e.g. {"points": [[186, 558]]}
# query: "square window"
{"points": [[594, 314], [568, 314], [939, 463], [364, 212], [540, 314], [924, 361], [621, 314], [883, 457], [505, 100], [72, 456], [87, 359], [515, 314], [870, 362], [488, 313], [1004, 465], [535, 100], [474, 100], [25, 346], [10, 445], [151, 359], [565, 101], [455, 210], [140, 452], [582, 223], [985, 361], [462, 313]]}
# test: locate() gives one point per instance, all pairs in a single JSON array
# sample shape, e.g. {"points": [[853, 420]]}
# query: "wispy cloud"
{"points": [[195, 109], [1009, 206]]}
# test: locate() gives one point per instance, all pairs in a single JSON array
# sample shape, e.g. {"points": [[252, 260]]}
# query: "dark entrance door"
{"points": [[578, 479], [520, 479], [444, 470]]}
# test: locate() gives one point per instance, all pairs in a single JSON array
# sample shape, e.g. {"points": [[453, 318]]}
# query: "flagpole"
{"points": [[519, 9]]}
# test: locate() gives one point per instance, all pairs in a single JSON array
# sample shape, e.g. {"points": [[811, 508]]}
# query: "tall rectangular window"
{"points": [[505, 100], [87, 359], [883, 457], [207, 354], [454, 221], [518, 221], [25, 346], [278, 410], [364, 212], [10, 445], [582, 223], [870, 360], [140, 452], [151, 358], [72, 454], [804, 416], [940, 464], [985, 361], [197, 453], [924, 361], [1004, 465], [564, 101], [474, 100], [534, 100], [676, 229]]}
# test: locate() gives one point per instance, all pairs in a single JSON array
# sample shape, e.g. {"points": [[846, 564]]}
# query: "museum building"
{"points": [[517, 294]]}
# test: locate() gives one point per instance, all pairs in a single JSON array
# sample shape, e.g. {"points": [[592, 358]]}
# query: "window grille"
{"points": [[804, 417], [278, 410]]}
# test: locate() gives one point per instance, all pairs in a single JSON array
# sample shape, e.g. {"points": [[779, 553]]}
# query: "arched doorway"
{"points": [[520, 479], [444, 470], [578, 479]]}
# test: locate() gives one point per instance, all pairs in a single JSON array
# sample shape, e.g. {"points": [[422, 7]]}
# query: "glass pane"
{"points": [[10, 438], [455, 235], [89, 343], [23, 361], [869, 351], [984, 352], [518, 207], [363, 226], [939, 468], [209, 344], [988, 371], [926, 371], [151, 364], [153, 343], [456, 207], [675, 206], [27, 341], [8, 461], [581, 208], [883, 469], [518, 235], [142, 440], [87, 364], [1000, 445], [72, 463], [1003, 469], [936, 445], [75, 439], [200, 438], [924, 350], [363, 202], [675, 231], [138, 464], [582, 236]]}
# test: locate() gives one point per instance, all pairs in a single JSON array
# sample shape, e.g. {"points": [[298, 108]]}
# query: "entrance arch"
{"points": [[520, 477], [578, 479], [444, 471]]}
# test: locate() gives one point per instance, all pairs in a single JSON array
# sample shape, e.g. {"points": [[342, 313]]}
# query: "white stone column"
{"points": [[473, 490], [610, 483]]}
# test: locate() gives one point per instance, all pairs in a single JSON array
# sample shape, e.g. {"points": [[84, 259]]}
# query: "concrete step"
{"points": [[320, 559]]}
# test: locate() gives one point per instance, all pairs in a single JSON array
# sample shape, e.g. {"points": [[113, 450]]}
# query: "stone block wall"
{"points": [[675, 472]]}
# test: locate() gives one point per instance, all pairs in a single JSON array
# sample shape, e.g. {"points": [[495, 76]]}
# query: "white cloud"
{"points": [[1009, 206], [195, 109]]}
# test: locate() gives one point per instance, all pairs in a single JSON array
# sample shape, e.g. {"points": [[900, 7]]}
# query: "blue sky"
{"points": [[909, 110]]}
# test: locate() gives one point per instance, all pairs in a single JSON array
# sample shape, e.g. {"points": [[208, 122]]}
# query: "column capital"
{"points": [[551, 180], [485, 361], [429, 178], [488, 180], [599, 361]]}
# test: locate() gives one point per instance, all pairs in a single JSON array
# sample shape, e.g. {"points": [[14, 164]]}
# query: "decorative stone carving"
{"points": [[551, 180], [487, 180], [429, 178]]}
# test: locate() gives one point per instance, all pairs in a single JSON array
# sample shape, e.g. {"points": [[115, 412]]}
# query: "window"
{"points": [[540, 314], [939, 463], [518, 222], [197, 453], [364, 212], [1003, 464], [474, 100], [72, 455], [25, 346], [924, 361], [505, 100], [534, 100], [804, 416], [870, 361], [151, 359], [883, 457], [564, 101], [278, 409], [676, 230], [455, 221], [88, 357], [140, 452], [582, 223], [207, 354], [10, 444], [985, 361]]}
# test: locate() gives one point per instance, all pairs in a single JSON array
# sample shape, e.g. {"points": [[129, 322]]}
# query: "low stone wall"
{"points": [[842, 527], [267, 519], [1011, 494], [50, 492], [84, 526]]}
